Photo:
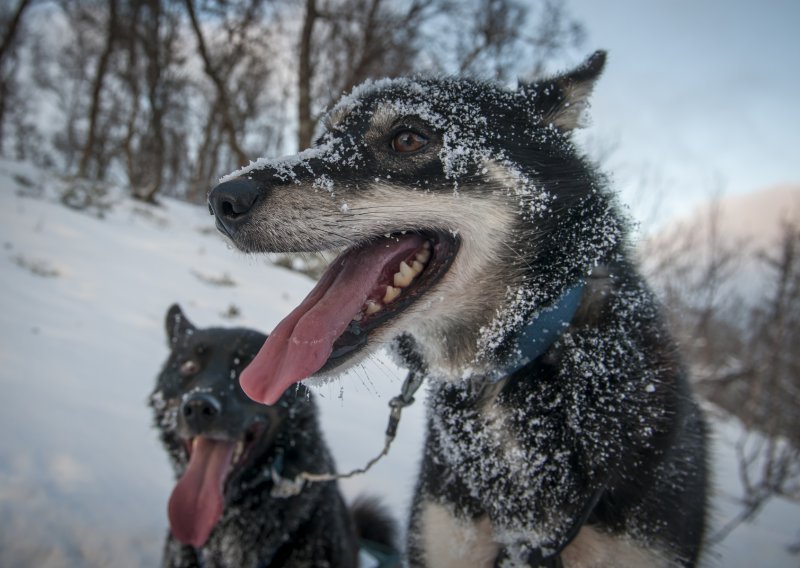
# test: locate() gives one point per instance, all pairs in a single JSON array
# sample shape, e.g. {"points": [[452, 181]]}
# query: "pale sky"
{"points": [[697, 95]]}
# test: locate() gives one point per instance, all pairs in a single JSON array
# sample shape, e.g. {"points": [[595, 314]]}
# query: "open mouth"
{"points": [[361, 291], [197, 501]]}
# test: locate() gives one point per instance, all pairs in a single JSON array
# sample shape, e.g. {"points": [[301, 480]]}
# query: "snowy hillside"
{"points": [[83, 480]]}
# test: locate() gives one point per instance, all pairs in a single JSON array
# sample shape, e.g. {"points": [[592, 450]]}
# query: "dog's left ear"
{"points": [[177, 324], [563, 100]]}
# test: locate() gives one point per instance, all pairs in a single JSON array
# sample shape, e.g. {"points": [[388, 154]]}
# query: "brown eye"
{"points": [[189, 368], [408, 141]]}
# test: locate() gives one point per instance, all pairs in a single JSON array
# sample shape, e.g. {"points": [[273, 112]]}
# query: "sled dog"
{"points": [[228, 452], [475, 240]]}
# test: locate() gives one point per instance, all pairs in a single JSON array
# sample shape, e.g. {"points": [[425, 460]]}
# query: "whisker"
{"points": [[516, 253]]}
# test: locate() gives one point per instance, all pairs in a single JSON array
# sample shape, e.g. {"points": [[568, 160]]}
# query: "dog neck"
{"points": [[541, 332], [423, 355]]}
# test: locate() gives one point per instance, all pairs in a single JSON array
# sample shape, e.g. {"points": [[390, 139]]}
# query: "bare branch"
{"points": [[213, 74]]}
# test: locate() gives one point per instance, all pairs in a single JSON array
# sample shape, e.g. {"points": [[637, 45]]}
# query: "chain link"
{"points": [[290, 487]]}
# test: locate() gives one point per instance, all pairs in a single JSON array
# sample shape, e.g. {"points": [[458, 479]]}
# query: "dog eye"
{"points": [[408, 141], [189, 368]]}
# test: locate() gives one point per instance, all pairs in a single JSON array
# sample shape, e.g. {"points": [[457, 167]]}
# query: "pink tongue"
{"points": [[302, 342], [196, 503]]}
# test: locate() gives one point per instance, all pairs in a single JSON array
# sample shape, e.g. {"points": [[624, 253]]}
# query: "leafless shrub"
{"points": [[742, 347]]}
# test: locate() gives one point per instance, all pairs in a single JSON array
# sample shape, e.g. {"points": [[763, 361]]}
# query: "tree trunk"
{"points": [[97, 87], [13, 27], [155, 165], [5, 49], [305, 128], [206, 156], [132, 80]]}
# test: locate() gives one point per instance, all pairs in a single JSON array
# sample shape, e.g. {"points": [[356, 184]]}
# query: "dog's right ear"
{"points": [[562, 100], [177, 324]]}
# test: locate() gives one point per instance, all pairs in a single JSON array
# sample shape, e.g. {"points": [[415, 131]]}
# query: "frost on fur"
{"points": [[504, 216]]}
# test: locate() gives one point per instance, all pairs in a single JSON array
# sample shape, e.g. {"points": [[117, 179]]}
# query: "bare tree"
{"points": [[766, 390], [10, 24], [243, 105], [157, 126], [344, 42], [305, 127], [215, 74], [101, 71], [136, 109], [742, 350]]}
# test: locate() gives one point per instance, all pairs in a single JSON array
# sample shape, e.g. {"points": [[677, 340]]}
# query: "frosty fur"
{"points": [[311, 530], [508, 466]]}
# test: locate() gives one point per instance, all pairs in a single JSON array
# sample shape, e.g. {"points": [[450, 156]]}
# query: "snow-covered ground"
{"points": [[83, 480]]}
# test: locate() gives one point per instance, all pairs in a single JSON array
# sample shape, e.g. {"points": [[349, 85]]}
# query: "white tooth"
{"points": [[417, 267], [195, 441], [373, 307], [359, 316], [391, 294], [423, 256], [404, 277], [401, 281], [237, 451]]}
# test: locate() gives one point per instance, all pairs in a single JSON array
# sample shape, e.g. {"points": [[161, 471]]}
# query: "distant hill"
{"points": [[756, 216]]}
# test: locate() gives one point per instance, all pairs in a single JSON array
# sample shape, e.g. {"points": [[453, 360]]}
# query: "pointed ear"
{"points": [[177, 324], [562, 101]]}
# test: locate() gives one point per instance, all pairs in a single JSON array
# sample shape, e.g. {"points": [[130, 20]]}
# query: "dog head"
{"points": [[461, 208], [217, 438]]}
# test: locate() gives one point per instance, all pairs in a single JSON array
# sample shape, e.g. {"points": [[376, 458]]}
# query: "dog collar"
{"points": [[539, 334]]}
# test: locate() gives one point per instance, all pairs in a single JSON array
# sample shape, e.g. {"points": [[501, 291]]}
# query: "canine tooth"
{"points": [[417, 267], [373, 307], [237, 451], [405, 276], [401, 280], [391, 294]]}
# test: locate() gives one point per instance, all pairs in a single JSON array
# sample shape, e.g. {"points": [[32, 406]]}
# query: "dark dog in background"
{"points": [[224, 448], [472, 233]]}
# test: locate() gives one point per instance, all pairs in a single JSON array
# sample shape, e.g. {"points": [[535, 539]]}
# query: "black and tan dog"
{"points": [[474, 237], [227, 452]]}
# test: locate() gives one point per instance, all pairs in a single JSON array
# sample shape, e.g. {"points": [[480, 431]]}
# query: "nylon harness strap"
{"points": [[541, 332], [532, 342], [553, 560]]}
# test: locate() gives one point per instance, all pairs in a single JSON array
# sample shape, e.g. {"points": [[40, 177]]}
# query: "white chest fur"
{"points": [[449, 542]]}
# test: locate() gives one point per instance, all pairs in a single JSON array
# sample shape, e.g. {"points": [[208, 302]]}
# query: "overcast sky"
{"points": [[697, 94]]}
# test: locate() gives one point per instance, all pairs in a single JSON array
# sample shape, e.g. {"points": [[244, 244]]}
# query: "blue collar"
{"points": [[541, 332]]}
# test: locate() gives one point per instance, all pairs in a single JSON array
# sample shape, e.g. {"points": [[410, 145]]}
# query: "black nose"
{"points": [[200, 411], [231, 202]]}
